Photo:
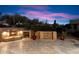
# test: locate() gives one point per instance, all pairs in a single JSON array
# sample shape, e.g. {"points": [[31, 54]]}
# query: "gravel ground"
{"points": [[43, 46]]}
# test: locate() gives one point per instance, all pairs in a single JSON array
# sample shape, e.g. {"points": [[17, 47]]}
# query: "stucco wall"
{"points": [[46, 35]]}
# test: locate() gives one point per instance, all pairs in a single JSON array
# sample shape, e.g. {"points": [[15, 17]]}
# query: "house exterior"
{"points": [[7, 34], [12, 33]]}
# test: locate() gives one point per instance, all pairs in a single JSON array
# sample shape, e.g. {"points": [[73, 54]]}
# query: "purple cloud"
{"points": [[50, 16]]}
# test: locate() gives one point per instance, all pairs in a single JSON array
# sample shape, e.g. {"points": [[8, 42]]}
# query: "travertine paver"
{"points": [[26, 45]]}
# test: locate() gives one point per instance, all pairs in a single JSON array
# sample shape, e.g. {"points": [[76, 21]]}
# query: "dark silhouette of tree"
{"points": [[0, 15], [18, 20], [54, 21]]}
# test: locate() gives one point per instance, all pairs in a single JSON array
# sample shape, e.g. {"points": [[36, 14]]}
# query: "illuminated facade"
{"points": [[9, 34]]}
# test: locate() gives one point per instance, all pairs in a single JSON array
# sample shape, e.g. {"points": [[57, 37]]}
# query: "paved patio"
{"points": [[43, 46]]}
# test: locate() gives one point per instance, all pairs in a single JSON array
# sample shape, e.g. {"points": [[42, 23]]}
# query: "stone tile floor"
{"points": [[43, 46]]}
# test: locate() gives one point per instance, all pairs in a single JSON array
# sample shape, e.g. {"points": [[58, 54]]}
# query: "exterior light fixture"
{"points": [[5, 34], [20, 33]]}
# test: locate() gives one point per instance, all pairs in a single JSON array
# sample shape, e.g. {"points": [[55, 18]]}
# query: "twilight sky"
{"points": [[61, 13]]}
